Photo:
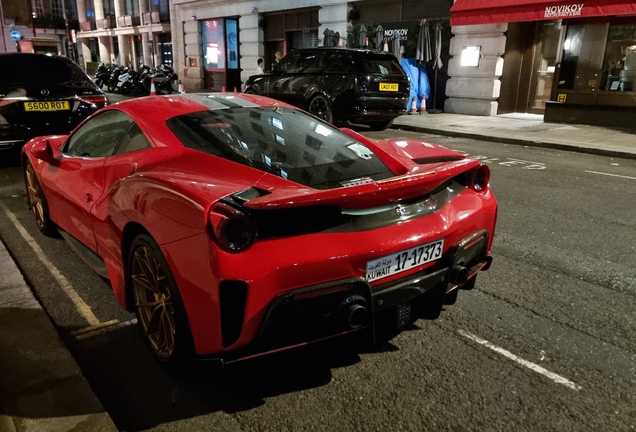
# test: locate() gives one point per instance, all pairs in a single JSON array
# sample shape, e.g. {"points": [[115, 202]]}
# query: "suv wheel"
{"points": [[320, 107]]}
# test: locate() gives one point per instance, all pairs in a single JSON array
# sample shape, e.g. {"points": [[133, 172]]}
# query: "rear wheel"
{"points": [[158, 305], [37, 202], [111, 87], [125, 88], [321, 108]]}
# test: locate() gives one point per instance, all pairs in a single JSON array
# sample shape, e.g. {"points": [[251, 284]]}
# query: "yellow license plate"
{"points": [[47, 106], [389, 87]]}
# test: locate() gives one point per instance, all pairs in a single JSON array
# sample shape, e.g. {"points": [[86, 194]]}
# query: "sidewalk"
{"points": [[41, 386], [527, 130]]}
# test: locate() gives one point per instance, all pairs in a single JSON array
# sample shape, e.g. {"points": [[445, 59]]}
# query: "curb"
{"points": [[517, 141]]}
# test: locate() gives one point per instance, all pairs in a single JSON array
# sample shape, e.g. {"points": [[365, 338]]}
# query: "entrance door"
{"points": [[529, 60], [545, 53]]}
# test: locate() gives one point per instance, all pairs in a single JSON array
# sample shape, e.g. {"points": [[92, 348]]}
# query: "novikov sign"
{"points": [[564, 11]]}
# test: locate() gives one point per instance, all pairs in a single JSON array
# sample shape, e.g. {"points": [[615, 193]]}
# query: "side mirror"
{"points": [[43, 151]]}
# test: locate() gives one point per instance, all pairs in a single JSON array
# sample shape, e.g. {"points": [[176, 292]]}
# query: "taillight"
{"points": [[99, 101], [231, 228], [479, 178]]}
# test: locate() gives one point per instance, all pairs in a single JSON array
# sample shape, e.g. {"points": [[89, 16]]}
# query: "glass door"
{"points": [[546, 44]]}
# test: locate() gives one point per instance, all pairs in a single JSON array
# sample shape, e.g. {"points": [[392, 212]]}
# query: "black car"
{"points": [[41, 95], [338, 85]]}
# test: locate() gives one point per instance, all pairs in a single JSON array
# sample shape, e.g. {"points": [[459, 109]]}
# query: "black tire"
{"points": [[321, 108], [380, 125], [125, 88], [36, 201], [250, 91], [111, 87], [160, 312]]}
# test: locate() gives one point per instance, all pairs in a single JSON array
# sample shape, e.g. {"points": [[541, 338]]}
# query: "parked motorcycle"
{"points": [[128, 80], [113, 80], [102, 74], [165, 77]]}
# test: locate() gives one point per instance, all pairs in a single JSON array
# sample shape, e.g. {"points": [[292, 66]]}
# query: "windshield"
{"points": [[284, 142], [378, 64]]}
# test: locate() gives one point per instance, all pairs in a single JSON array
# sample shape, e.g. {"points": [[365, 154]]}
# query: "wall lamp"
{"points": [[471, 55]]}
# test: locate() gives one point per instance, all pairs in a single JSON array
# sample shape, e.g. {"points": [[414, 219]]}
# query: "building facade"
{"points": [[41, 26], [574, 62], [217, 44], [125, 32]]}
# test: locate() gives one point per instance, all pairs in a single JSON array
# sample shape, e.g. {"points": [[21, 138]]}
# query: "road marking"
{"points": [[95, 331], [66, 286], [532, 366], [94, 327], [611, 175]]}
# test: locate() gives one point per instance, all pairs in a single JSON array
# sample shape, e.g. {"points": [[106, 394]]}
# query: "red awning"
{"points": [[466, 12]]}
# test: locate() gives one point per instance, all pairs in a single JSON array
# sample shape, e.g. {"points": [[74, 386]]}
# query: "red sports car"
{"points": [[236, 225]]}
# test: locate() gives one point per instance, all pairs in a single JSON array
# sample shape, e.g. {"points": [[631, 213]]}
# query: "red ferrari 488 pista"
{"points": [[236, 225]]}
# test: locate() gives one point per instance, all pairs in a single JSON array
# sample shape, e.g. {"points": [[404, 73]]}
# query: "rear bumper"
{"points": [[371, 109], [314, 313]]}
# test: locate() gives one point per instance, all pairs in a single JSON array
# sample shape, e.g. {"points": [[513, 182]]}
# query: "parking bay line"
{"points": [[532, 366], [81, 306], [611, 175]]}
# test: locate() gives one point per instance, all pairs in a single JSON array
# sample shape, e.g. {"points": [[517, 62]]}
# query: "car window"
{"points": [[380, 64], [100, 135], [284, 142], [336, 62], [133, 140], [310, 63], [289, 63]]}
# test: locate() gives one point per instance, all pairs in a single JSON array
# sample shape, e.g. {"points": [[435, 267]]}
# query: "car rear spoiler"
{"points": [[367, 195]]}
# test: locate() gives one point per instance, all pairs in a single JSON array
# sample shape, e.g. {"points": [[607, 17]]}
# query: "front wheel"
{"points": [[321, 108], [160, 312], [111, 87], [37, 202]]}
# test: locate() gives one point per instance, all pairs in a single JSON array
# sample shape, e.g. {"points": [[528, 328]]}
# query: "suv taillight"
{"points": [[231, 228], [98, 101], [479, 178]]}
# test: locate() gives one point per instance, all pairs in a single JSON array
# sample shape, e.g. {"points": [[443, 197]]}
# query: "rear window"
{"points": [[32, 69], [284, 142], [381, 64]]}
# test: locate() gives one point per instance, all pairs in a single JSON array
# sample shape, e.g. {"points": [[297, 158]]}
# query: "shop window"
{"points": [[619, 67], [582, 56]]}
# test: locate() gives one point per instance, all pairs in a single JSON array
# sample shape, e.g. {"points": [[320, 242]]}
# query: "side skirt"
{"points": [[91, 258]]}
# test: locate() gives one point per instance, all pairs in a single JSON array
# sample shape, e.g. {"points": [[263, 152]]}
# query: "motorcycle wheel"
{"points": [[99, 83], [125, 88], [111, 87]]}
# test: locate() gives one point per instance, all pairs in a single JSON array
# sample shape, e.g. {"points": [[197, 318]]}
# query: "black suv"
{"points": [[41, 95], [338, 85]]}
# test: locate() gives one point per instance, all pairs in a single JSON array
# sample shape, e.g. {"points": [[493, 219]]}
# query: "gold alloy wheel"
{"points": [[153, 302], [34, 196]]}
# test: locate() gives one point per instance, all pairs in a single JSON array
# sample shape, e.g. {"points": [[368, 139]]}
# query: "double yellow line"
{"points": [[80, 305]]}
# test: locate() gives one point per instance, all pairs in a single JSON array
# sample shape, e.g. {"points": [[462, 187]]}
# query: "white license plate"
{"points": [[402, 261]]}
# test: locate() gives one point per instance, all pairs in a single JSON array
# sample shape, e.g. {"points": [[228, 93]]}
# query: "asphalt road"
{"points": [[546, 341]]}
